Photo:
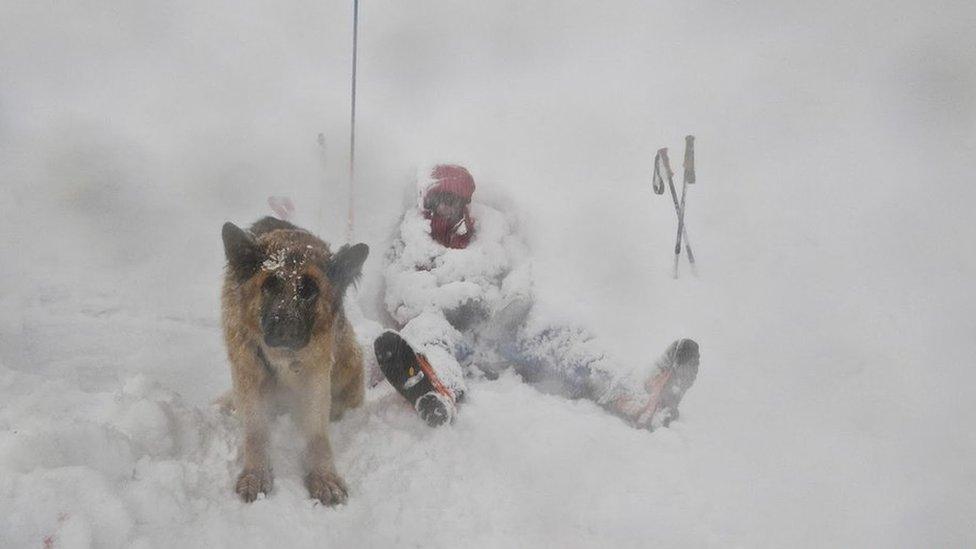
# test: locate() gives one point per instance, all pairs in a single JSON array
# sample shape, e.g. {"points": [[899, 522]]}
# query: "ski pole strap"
{"points": [[689, 159], [657, 181]]}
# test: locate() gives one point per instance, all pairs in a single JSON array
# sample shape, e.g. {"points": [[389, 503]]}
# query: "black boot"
{"points": [[685, 358], [402, 368]]}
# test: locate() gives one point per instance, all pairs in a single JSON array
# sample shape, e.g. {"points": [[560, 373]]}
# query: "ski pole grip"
{"points": [[690, 159], [668, 172]]}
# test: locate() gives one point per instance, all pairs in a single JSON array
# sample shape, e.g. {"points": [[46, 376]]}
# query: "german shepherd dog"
{"points": [[290, 345]]}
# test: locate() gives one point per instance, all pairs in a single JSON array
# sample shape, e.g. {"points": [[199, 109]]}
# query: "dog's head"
{"points": [[290, 283]]}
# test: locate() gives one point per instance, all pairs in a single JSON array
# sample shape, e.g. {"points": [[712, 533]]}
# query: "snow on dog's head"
{"points": [[284, 282]]}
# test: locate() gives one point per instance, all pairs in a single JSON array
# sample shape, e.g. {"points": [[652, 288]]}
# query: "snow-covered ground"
{"points": [[834, 305]]}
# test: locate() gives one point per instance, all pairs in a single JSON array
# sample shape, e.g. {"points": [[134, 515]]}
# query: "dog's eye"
{"points": [[272, 285], [307, 288]]}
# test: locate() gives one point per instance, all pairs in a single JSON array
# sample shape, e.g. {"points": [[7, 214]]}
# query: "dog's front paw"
{"points": [[254, 482], [327, 487]]}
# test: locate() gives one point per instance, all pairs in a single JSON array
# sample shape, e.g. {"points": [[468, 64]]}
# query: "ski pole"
{"points": [[658, 183], [687, 178], [689, 160], [681, 225], [677, 208]]}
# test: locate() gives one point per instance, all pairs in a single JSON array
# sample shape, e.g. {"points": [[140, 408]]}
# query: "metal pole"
{"points": [[352, 122], [681, 227]]}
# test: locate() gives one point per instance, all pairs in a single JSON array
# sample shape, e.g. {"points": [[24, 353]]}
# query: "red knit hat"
{"points": [[453, 179]]}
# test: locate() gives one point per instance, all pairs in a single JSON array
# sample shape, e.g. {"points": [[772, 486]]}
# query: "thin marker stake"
{"points": [[352, 122]]}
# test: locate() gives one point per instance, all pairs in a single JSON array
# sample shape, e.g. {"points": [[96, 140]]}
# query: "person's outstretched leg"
{"points": [[569, 361], [674, 373], [420, 363], [413, 377]]}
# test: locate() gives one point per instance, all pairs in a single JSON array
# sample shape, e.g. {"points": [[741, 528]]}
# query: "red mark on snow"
{"points": [[49, 539]]}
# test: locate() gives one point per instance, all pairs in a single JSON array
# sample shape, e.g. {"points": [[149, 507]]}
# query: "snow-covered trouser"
{"points": [[444, 346], [562, 360], [570, 362]]}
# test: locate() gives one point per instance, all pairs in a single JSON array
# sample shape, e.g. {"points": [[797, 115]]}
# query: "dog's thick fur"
{"points": [[317, 380]]}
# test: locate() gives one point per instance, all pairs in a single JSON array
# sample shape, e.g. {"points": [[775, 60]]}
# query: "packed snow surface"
{"points": [[832, 221]]}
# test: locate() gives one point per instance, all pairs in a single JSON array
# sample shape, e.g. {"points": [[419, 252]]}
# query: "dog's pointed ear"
{"points": [[243, 253], [346, 265]]}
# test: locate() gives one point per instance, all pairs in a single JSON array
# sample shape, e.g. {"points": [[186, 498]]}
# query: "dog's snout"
{"points": [[282, 331]]}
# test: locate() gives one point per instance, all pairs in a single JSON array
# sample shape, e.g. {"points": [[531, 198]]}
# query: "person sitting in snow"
{"points": [[458, 286]]}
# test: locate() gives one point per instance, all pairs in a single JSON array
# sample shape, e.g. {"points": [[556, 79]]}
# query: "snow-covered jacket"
{"points": [[467, 285]]}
